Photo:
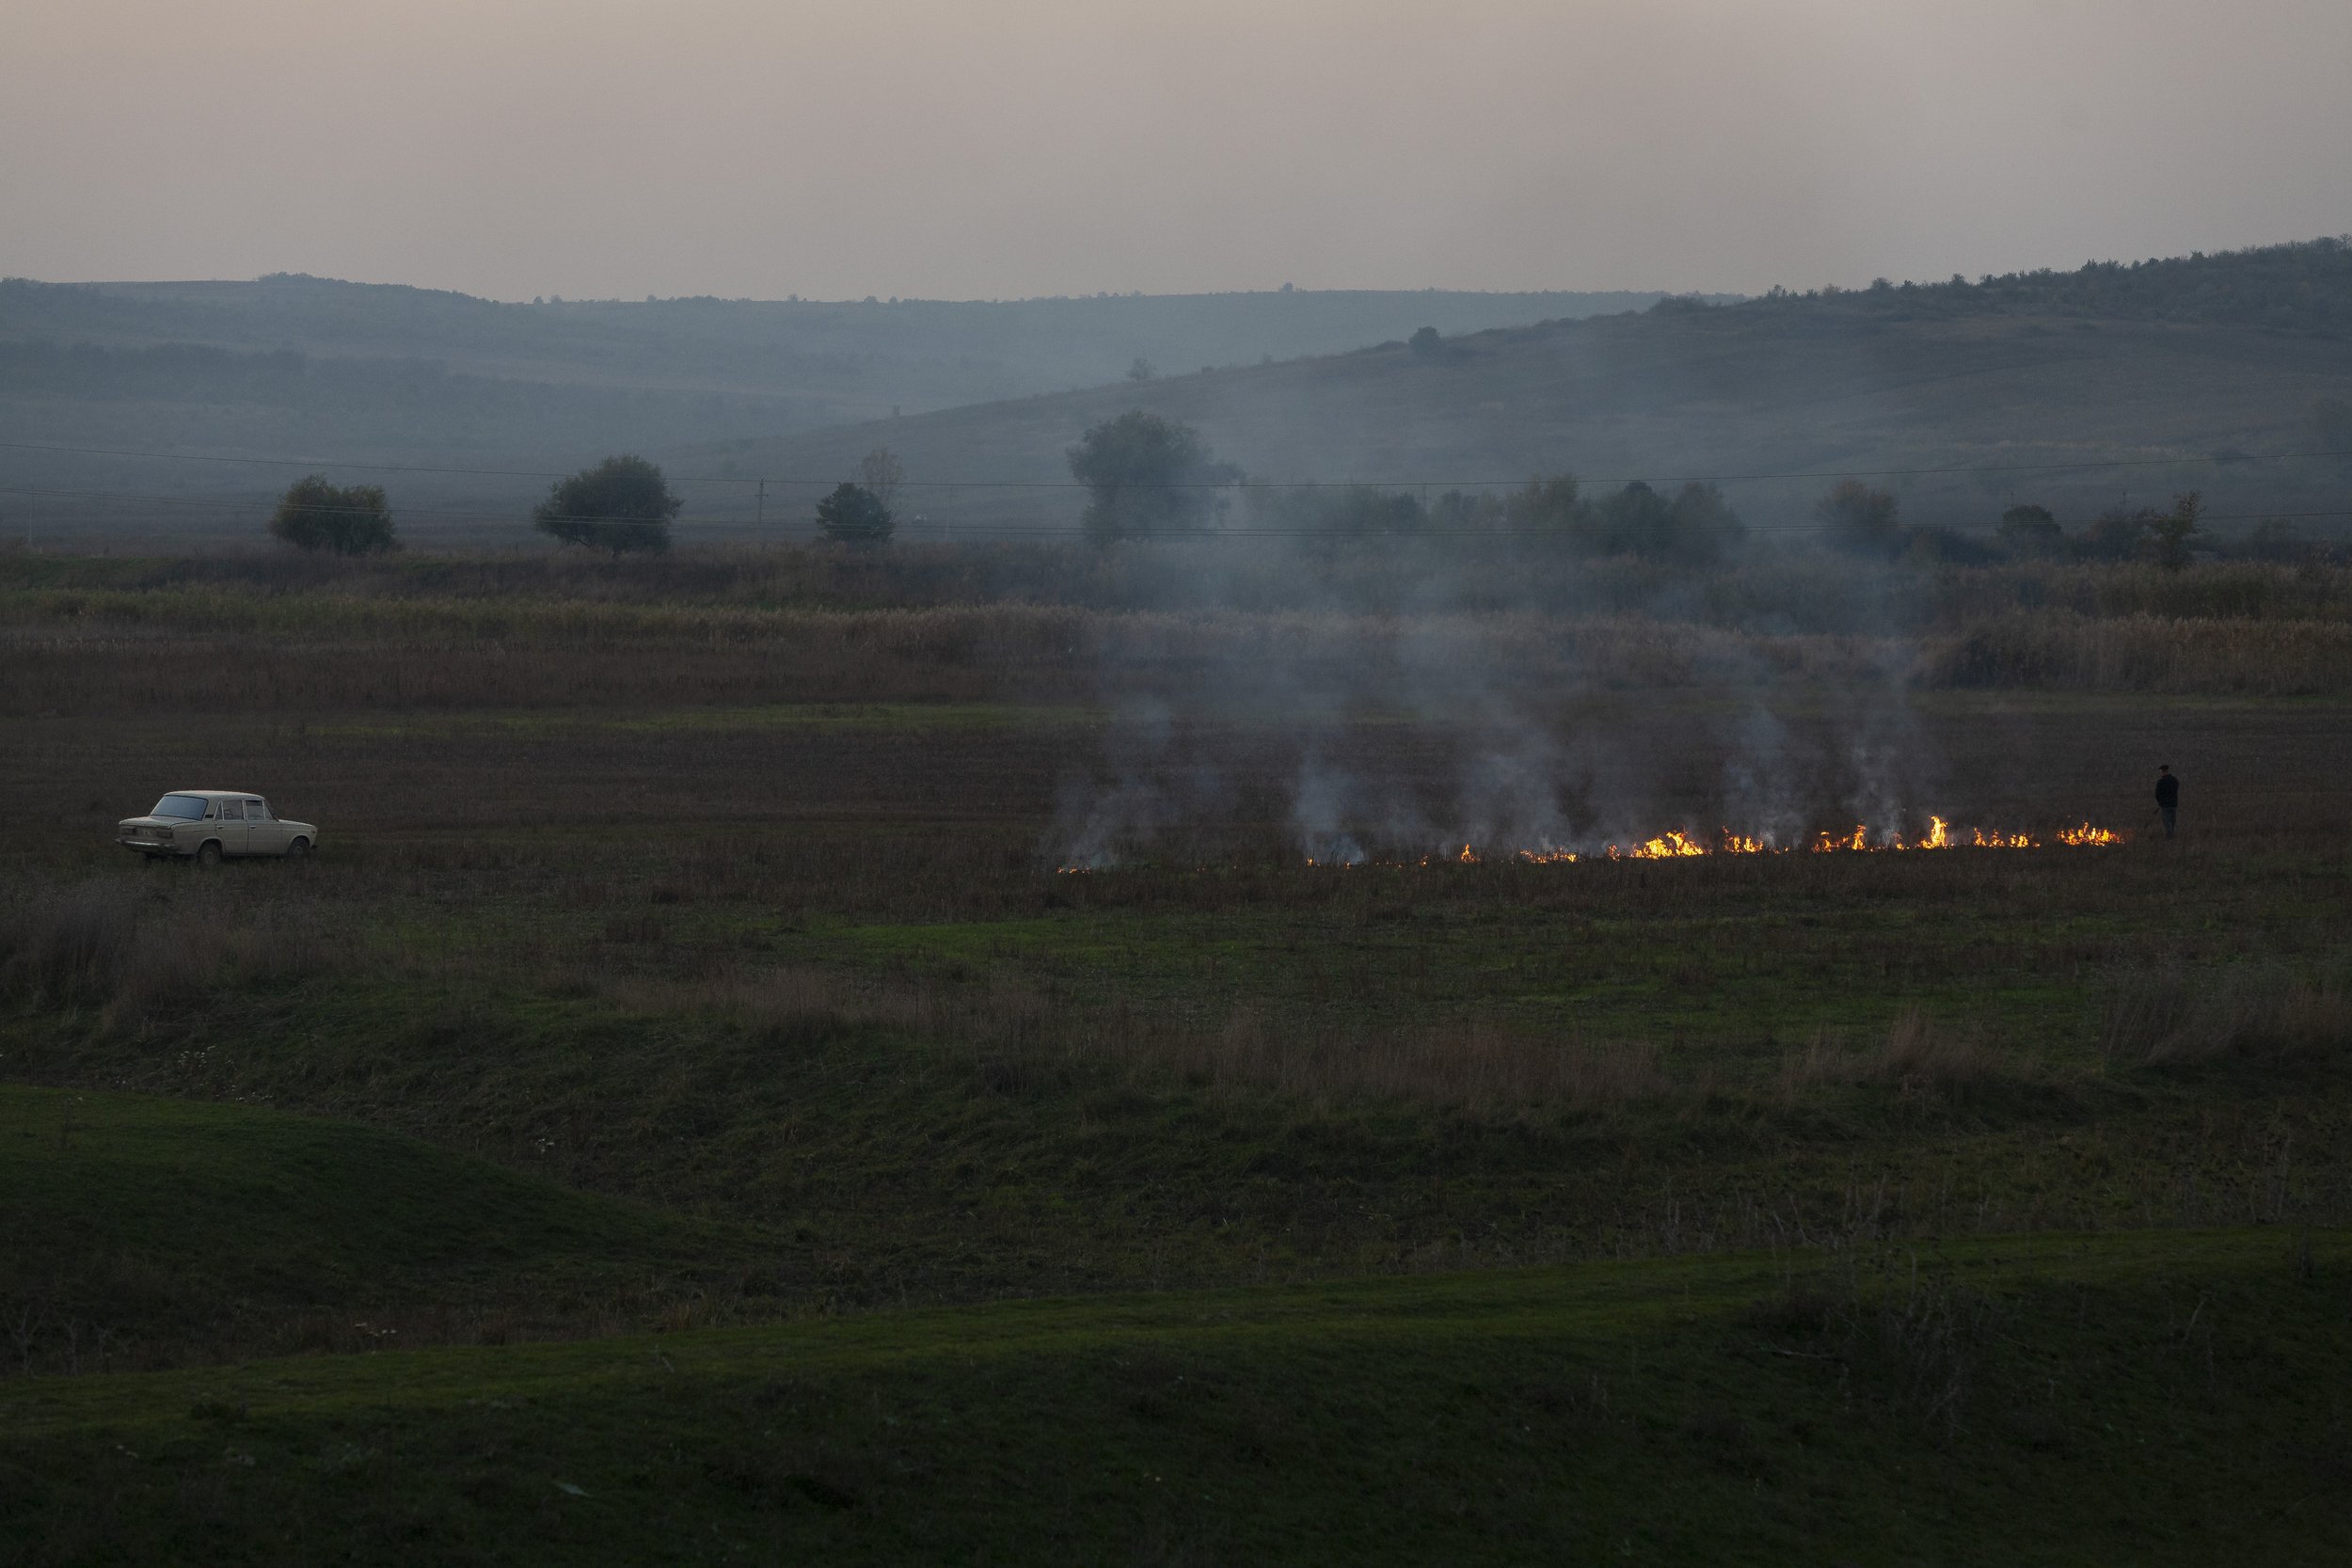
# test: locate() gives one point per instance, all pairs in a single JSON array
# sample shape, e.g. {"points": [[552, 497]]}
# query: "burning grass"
{"points": [[1676, 844]]}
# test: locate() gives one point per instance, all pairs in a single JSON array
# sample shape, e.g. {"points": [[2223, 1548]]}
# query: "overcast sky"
{"points": [[947, 148]]}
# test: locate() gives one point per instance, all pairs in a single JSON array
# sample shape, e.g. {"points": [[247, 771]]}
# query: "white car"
{"points": [[210, 824]]}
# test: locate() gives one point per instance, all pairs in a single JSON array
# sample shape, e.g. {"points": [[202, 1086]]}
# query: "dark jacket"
{"points": [[2167, 791]]}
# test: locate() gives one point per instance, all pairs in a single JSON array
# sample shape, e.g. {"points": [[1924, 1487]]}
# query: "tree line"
{"points": [[1147, 477], [622, 505]]}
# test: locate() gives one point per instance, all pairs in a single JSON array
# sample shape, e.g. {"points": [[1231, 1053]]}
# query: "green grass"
{"points": [[881, 1163], [1728, 965], [140, 1229], [2145, 1398]]}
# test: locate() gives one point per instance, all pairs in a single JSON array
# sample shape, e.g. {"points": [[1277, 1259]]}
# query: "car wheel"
{"points": [[299, 850], [209, 854]]}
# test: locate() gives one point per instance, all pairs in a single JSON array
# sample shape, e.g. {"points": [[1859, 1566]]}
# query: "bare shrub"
{"points": [[1933, 1339], [127, 950], [1918, 1056], [72, 946], [2168, 1018], [1919, 1053]]}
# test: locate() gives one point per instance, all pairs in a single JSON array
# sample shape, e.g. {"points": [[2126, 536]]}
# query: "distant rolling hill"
{"points": [[2200, 374], [293, 367]]}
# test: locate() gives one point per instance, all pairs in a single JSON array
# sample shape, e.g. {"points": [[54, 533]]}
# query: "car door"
{"points": [[232, 827], [265, 834]]}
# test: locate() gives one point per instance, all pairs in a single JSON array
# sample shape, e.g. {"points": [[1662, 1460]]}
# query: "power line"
{"points": [[2078, 464]]}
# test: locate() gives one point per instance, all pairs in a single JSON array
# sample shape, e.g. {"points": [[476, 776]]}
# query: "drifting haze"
{"points": [[912, 147]]}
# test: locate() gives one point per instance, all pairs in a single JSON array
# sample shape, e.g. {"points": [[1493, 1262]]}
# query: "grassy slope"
{"points": [[888, 1166], [919, 352], [184, 1230], [1746, 390], [2152, 1399]]}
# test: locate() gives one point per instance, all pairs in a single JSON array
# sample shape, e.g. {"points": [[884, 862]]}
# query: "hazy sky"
{"points": [[947, 149]]}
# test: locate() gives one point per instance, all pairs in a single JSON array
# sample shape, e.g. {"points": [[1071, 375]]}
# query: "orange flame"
{"points": [[1670, 845], [1679, 843]]}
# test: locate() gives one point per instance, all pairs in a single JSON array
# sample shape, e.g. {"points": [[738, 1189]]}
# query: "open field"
{"points": [[687, 953]]}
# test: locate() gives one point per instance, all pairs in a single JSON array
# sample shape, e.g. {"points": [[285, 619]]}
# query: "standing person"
{"points": [[2168, 796]]}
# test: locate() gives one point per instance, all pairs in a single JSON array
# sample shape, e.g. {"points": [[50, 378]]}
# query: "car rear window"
{"points": [[187, 808]]}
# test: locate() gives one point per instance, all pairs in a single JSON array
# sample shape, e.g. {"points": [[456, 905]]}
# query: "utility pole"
{"points": [[762, 523]]}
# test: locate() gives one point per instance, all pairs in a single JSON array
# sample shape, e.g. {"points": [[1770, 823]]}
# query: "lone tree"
{"points": [[314, 514], [1859, 520], [2031, 529], [623, 504], [1424, 342], [1147, 475], [854, 515]]}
